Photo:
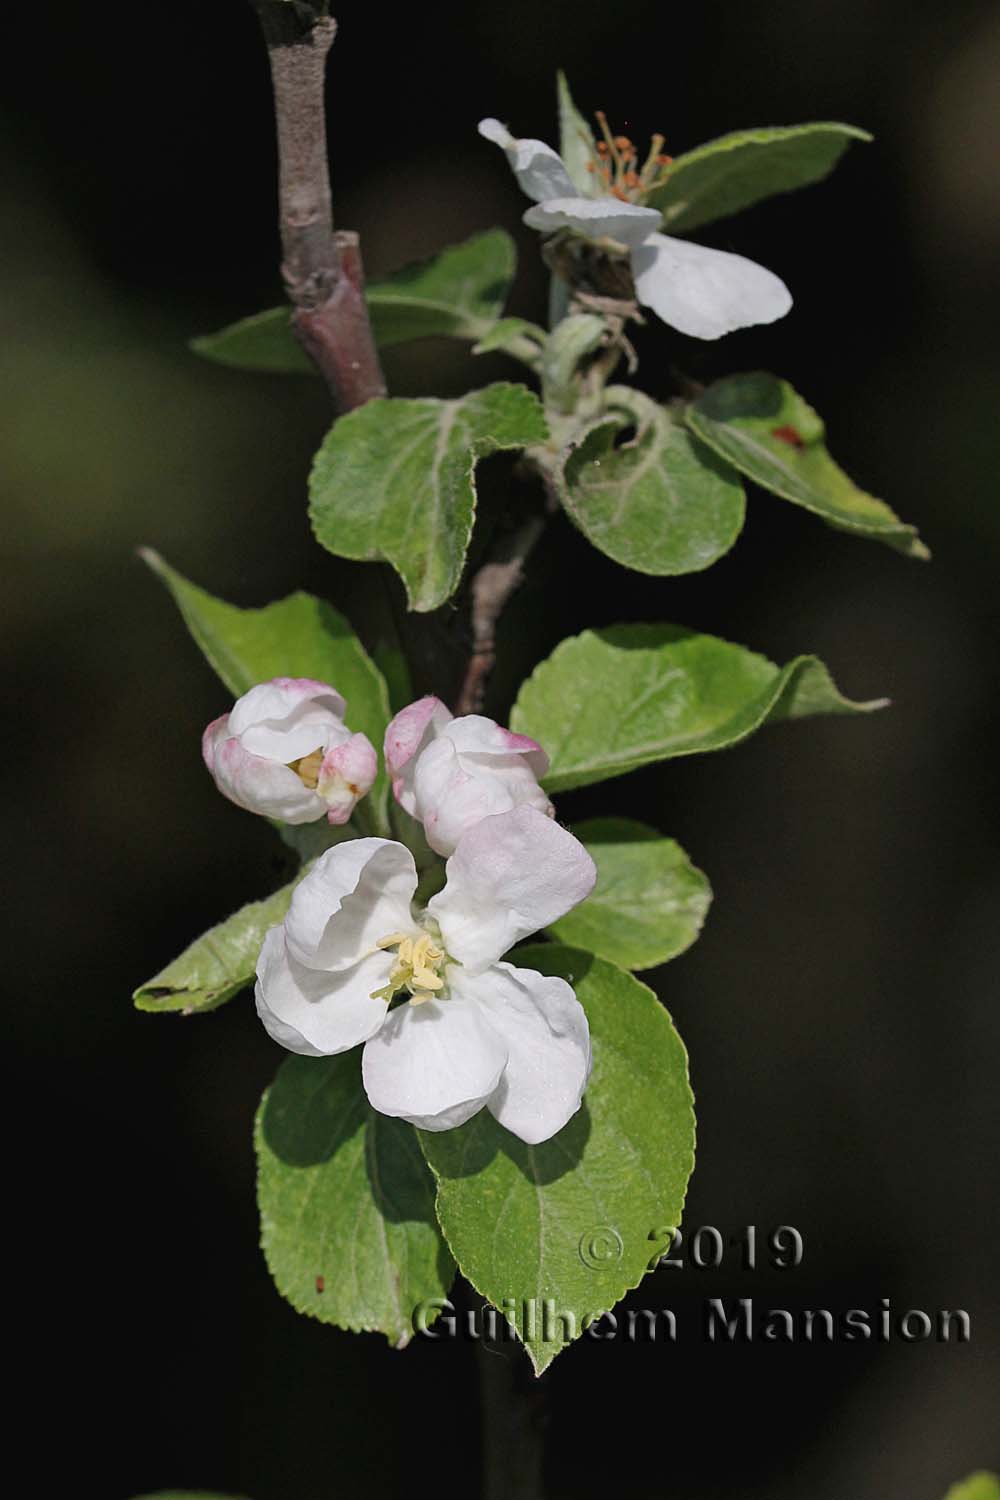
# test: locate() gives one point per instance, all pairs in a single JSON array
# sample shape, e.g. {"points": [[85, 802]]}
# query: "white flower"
{"points": [[284, 751], [702, 292], [472, 1031], [449, 773]]}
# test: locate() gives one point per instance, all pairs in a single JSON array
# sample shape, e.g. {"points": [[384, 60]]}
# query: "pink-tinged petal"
{"points": [[544, 1028], [355, 894], [705, 293], [595, 218], [433, 1064], [346, 775], [540, 171], [260, 785], [314, 1012], [405, 733], [214, 735], [288, 718], [474, 734], [412, 728], [510, 876]]}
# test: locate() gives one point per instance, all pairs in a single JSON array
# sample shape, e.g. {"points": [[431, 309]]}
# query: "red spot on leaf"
{"points": [[789, 435], [320, 1284]]}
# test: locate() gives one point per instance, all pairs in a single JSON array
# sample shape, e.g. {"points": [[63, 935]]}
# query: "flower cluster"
{"points": [[701, 292], [447, 1026]]}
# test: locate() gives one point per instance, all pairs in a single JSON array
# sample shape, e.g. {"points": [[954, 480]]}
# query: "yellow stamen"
{"points": [[307, 768], [415, 967]]}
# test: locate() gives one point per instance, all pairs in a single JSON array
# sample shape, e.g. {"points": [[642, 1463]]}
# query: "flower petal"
{"points": [[433, 1064], [473, 771], [705, 293], [545, 1030], [597, 218], [539, 170], [355, 894], [256, 783], [346, 775], [510, 875], [287, 718], [315, 1012], [412, 728]]}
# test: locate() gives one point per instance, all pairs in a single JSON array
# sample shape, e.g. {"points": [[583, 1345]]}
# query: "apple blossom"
{"points": [[702, 292], [470, 1030], [283, 750], [449, 773]]}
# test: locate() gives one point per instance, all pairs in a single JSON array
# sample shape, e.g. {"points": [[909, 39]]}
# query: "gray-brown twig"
{"points": [[321, 267]]}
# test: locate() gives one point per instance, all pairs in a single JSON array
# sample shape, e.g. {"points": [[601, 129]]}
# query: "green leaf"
{"points": [[649, 902], [660, 503], [761, 426], [570, 1225], [729, 174], [576, 139], [187, 1495], [979, 1486], [300, 636], [394, 480], [458, 293], [262, 342], [346, 1202], [217, 965], [515, 336], [608, 701]]}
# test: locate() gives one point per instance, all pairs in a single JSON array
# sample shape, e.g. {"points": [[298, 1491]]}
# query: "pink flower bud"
{"points": [[450, 773], [284, 751]]}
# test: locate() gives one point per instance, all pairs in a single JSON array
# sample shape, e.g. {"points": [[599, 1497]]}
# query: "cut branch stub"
{"points": [[322, 269]]}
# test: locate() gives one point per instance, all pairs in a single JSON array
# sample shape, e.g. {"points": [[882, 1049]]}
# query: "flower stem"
{"points": [[321, 267]]}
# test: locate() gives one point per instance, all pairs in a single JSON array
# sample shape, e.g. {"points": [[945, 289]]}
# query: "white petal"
{"points": [[705, 293], [433, 1064], [474, 734], [597, 218], [258, 784], [313, 1012], [356, 893], [287, 718], [539, 170], [545, 1030], [474, 771], [510, 875]]}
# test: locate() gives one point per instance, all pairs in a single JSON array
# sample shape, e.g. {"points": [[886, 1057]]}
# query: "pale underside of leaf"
{"points": [[658, 503], [395, 480]]}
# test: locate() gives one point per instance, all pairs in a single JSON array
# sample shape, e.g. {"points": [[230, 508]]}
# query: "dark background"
{"points": [[840, 1009]]}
